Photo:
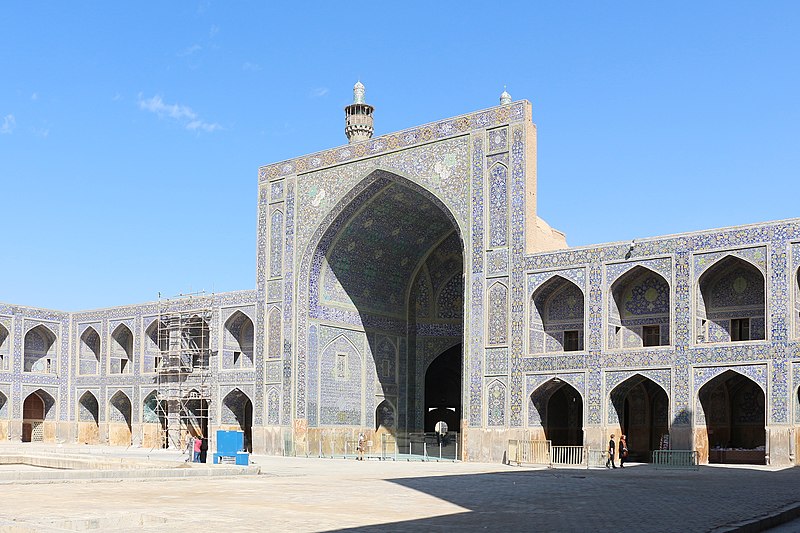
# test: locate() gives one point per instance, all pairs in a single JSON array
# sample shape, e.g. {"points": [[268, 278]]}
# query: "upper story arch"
{"points": [[556, 317], [730, 302], [639, 309]]}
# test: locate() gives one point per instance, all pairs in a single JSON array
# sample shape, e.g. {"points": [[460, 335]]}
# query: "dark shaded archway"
{"points": [[238, 409], [558, 407], [443, 390], [386, 289], [36, 408], [642, 407], [735, 415]]}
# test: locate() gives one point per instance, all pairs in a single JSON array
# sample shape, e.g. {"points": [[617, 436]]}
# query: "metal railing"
{"points": [[596, 458], [567, 455], [675, 459], [531, 452]]}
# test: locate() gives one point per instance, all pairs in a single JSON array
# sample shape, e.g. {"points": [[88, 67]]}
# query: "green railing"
{"points": [[675, 459]]}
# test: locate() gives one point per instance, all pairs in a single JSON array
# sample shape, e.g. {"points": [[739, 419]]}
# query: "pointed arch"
{"points": [[3, 406], [273, 406], [496, 404], [156, 342], [385, 416], [341, 377], [639, 313], [386, 360], [497, 323], [38, 407], [274, 333], [121, 353], [733, 418], [238, 341], [731, 302], [276, 243], [40, 350], [5, 349], [89, 349], [557, 316], [89, 409], [498, 205], [237, 409], [450, 298], [641, 406], [557, 407], [119, 415]]}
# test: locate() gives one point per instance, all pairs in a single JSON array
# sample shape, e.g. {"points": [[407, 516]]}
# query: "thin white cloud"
{"points": [[190, 50], [319, 92], [251, 66], [41, 132], [117, 97], [180, 113], [35, 96], [213, 31], [9, 123]]}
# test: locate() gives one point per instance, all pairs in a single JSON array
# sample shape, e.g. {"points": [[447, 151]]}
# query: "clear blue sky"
{"points": [[128, 127]]}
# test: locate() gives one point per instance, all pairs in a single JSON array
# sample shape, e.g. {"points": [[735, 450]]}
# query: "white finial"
{"points": [[358, 93], [505, 98]]}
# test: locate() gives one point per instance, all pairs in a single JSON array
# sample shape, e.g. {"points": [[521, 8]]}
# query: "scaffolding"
{"points": [[183, 367]]}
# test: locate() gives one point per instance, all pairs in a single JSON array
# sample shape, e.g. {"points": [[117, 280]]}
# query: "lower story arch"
{"points": [[732, 428], [556, 413], [642, 409]]}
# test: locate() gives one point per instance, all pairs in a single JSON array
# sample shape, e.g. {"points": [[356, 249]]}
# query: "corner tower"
{"points": [[358, 116]]}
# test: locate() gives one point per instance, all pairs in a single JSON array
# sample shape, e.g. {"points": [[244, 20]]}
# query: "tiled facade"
{"points": [[376, 257]]}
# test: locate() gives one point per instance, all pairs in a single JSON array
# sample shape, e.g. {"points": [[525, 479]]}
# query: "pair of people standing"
{"points": [[623, 452], [198, 447]]}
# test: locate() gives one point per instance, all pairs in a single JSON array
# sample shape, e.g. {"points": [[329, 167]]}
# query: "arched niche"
{"points": [[121, 350], [556, 317], [642, 410], [731, 304], [734, 411], [88, 419], [89, 352], [39, 351], [119, 420], [639, 310], [238, 341], [557, 408], [237, 411]]}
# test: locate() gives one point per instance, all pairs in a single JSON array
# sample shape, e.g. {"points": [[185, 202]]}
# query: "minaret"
{"points": [[358, 117]]}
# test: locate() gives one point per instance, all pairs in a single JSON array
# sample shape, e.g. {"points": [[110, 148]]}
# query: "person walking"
{"points": [[612, 448], [623, 450], [361, 444]]}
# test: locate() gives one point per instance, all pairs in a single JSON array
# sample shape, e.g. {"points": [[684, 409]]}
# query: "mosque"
{"points": [[406, 279]]}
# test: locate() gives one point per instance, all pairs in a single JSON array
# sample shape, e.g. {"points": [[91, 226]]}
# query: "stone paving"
{"points": [[298, 494]]}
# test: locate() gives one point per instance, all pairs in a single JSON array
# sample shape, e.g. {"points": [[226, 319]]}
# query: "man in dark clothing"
{"points": [[611, 449], [203, 449]]}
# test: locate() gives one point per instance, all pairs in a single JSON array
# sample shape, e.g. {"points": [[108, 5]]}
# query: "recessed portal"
{"points": [[642, 408], [443, 390], [386, 298], [733, 405]]}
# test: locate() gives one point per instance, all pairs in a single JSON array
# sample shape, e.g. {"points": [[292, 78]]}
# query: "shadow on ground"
{"points": [[638, 498]]}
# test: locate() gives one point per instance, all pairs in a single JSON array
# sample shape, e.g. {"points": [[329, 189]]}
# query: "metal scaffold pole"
{"points": [[183, 367]]}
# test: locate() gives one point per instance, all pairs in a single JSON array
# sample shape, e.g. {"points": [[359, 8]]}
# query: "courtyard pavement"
{"points": [[299, 494]]}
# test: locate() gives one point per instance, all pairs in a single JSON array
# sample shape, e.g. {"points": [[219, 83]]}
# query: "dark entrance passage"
{"points": [[564, 420], [643, 410], [735, 419], [33, 413], [443, 390]]}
